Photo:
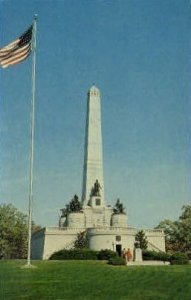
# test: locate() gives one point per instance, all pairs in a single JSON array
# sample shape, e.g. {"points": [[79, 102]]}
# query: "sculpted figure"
{"points": [[96, 188]]}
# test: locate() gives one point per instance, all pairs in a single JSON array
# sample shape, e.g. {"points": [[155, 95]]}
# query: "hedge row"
{"points": [[82, 254], [177, 258], [117, 261], [85, 254], [74, 254], [153, 255], [106, 254]]}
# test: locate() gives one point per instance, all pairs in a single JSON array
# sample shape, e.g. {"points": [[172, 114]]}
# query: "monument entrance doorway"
{"points": [[119, 249]]}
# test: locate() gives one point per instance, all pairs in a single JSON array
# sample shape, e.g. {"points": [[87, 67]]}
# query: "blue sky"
{"points": [[138, 54]]}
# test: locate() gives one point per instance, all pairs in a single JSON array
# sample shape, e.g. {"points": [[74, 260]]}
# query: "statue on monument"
{"points": [[96, 189]]}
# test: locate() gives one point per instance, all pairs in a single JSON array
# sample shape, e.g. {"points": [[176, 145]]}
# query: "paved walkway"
{"points": [[148, 263]]}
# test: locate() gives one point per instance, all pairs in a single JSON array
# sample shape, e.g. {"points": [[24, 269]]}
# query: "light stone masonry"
{"points": [[105, 230]]}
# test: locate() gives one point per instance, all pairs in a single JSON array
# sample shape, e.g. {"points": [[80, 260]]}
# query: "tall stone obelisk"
{"points": [[93, 157]]}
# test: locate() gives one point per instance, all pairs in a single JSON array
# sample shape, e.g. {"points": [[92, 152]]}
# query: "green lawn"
{"points": [[93, 280]]}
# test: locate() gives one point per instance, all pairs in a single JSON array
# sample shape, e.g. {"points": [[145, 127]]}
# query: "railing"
{"points": [[154, 230], [153, 246], [65, 229], [111, 229], [105, 228], [125, 229]]}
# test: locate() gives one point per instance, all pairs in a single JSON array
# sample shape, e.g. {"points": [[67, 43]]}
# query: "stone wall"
{"points": [[53, 239], [111, 238], [37, 245], [49, 240], [156, 240]]}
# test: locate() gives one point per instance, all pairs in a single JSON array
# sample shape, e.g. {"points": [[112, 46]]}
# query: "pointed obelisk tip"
{"points": [[94, 89]]}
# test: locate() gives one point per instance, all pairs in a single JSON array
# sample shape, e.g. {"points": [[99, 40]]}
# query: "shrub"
{"points": [[106, 254], [142, 239], [81, 241], [81, 254], [153, 255], [117, 261], [179, 258]]}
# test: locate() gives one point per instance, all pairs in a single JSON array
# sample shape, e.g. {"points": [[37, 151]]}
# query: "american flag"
{"points": [[18, 50]]}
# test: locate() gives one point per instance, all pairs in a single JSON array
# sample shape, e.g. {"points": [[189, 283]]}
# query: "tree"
{"points": [[184, 234], [171, 230], [81, 241], [142, 239], [119, 208], [178, 233], [13, 232]]}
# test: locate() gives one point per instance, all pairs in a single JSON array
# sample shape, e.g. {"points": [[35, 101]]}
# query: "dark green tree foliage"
{"points": [[179, 258], [81, 241], [117, 261], [178, 233], [106, 254], [142, 239], [13, 232], [185, 228], [154, 255], [78, 254], [171, 230], [119, 208]]}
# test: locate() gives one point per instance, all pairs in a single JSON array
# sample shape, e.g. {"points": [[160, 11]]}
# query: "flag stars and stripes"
{"points": [[18, 50]]}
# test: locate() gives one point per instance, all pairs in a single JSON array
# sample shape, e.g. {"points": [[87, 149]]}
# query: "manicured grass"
{"points": [[93, 280]]}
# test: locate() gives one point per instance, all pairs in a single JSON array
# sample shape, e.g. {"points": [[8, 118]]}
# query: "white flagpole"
{"points": [[32, 127]]}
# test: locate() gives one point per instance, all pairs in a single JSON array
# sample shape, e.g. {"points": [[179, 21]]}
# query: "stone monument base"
{"points": [[138, 255]]}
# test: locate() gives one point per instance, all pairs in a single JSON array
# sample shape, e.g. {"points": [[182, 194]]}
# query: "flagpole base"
{"points": [[28, 266]]}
